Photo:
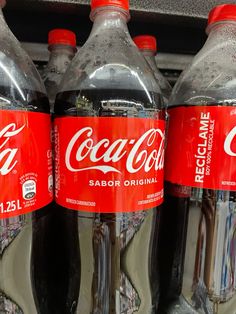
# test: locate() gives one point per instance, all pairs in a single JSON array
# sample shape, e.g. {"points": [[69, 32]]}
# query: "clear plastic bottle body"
{"points": [[198, 273], [165, 87], [116, 265], [21, 90], [60, 58]]}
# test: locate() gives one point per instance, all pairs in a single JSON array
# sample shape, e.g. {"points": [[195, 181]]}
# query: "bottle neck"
{"points": [[109, 18], [62, 49], [148, 53], [64, 52], [221, 31]]}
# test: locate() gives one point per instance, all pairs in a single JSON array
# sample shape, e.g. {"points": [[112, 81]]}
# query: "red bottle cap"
{"points": [[61, 36], [146, 42], [124, 4], [221, 13]]}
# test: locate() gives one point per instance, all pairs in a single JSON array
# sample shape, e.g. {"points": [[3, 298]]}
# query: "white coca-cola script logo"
{"points": [[228, 142], [7, 155], [136, 159]]}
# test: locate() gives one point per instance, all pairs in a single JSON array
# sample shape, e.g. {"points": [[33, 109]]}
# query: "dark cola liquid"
{"points": [[173, 233], [113, 266], [55, 272], [197, 249], [23, 239], [23, 99]]}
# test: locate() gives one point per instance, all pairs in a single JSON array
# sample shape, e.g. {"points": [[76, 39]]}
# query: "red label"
{"points": [[201, 149], [25, 162], [109, 164]]}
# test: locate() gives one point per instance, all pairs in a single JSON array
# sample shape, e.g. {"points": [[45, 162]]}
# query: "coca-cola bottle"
{"points": [[109, 150], [198, 247], [147, 44], [25, 176], [62, 47]]}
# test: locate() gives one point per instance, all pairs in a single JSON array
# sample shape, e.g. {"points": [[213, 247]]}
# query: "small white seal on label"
{"points": [[29, 189]]}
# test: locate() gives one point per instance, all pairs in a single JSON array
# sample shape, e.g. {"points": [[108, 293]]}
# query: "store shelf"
{"points": [[179, 25], [197, 9]]}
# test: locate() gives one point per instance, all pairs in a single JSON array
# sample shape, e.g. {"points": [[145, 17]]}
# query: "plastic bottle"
{"points": [[62, 47], [109, 150], [25, 175], [199, 209]]}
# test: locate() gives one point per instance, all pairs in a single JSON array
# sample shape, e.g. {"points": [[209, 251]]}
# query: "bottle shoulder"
{"points": [[109, 60], [18, 72], [210, 78]]}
